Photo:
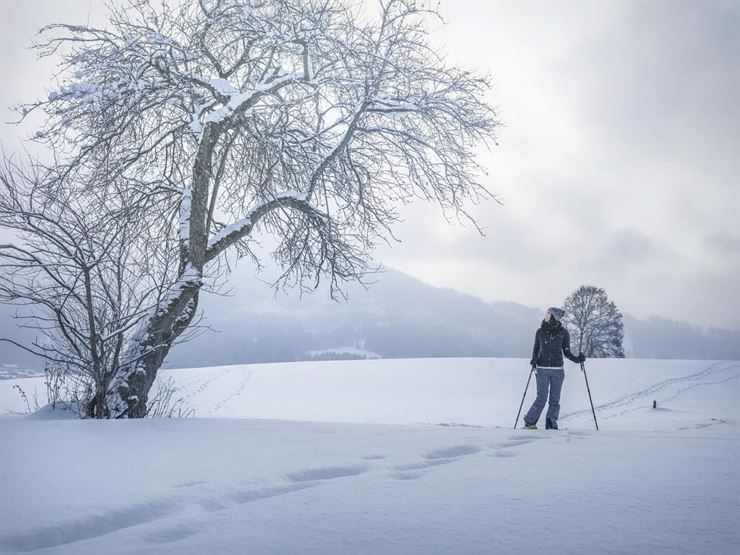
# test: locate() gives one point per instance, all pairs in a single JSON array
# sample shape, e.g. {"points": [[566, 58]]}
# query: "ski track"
{"points": [[197, 386], [206, 500], [204, 384], [675, 396], [236, 393], [605, 411]]}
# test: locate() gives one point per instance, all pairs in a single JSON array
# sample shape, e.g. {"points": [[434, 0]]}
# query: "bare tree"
{"points": [[79, 277], [594, 322], [300, 119]]}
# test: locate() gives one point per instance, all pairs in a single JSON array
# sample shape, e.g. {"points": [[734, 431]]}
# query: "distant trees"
{"points": [[594, 322], [306, 120]]}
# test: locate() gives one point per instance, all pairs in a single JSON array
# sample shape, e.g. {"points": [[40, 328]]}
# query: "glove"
{"points": [[581, 357], [533, 362]]}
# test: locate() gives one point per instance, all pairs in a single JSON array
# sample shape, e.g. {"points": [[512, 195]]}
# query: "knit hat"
{"points": [[556, 312]]}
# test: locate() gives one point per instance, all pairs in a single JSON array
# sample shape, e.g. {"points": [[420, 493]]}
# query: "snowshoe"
{"points": [[530, 426]]}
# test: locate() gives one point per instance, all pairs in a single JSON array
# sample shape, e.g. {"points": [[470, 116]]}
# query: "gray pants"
{"points": [[551, 380]]}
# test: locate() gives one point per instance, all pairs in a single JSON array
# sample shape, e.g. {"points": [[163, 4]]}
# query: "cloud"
{"points": [[624, 250], [723, 243], [617, 159], [617, 166]]}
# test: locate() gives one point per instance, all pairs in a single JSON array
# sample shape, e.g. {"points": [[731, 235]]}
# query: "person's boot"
{"points": [[530, 426], [551, 424]]}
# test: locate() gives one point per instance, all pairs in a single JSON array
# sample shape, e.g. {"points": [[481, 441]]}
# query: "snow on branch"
{"points": [[304, 119], [232, 233], [240, 101]]}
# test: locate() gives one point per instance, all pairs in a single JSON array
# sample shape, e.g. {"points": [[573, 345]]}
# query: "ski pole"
{"points": [[523, 396], [583, 367]]}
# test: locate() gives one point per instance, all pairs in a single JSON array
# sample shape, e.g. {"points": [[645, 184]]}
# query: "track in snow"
{"points": [[625, 403], [158, 517]]}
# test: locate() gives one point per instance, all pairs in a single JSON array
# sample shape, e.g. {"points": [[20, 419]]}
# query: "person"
{"points": [[551, 342]]}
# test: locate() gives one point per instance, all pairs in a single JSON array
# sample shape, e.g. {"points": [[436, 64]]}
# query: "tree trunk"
{"points": [[131, 392], [129, 395]]}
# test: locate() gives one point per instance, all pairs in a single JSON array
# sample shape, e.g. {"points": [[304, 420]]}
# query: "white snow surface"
{"points": [[386, 456]]}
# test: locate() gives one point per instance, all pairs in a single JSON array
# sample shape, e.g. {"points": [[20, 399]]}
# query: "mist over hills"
{"points": [[399, 316], [396, 317]]}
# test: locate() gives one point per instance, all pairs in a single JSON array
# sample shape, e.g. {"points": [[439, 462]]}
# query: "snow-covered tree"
{"points": [[80, 275], [594, 322], [305, 120]]}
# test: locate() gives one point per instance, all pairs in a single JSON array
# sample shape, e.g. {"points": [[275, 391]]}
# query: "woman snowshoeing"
{"points": [[551, 342]]}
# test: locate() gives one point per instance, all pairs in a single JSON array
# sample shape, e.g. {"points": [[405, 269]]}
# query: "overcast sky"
{"points": [[618, 164]]}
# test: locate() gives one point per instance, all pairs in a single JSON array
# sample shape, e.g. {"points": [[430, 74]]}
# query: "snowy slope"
{"points": [[481, 392], [329, 457]]}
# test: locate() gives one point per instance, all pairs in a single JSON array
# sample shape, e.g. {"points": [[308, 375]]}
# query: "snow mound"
{"points": [[57, 411]]}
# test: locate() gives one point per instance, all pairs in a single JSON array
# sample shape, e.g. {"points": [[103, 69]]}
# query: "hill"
{"points": [[397, 316]]}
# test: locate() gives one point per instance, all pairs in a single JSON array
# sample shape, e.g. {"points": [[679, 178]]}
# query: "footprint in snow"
{"points": [[422, 465], [528, 437], [407, 475], [438, 457], [701, 425], [502, 455], [190, 484], [220, 502], [325, 473], [169, 535], [452, 452], [374, 457], [211, 504], [512, 443], [88, 527], [250, 495]]}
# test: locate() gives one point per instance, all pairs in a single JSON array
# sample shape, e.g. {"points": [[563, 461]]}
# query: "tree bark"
{"points": [[129, 396]]}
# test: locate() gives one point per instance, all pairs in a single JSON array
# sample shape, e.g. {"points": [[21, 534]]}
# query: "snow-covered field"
{"points": [[386, 456]]}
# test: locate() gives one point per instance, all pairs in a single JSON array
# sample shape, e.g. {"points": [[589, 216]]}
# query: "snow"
{"points": [[228, 230], [239, 98], [386, 456], [245, 222], [190, 276], [83, 90], [57, 411], [222, 86], [195, 127]]}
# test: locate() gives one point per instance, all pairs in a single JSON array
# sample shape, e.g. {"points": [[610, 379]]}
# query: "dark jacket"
{"points": [[551, 342]]}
